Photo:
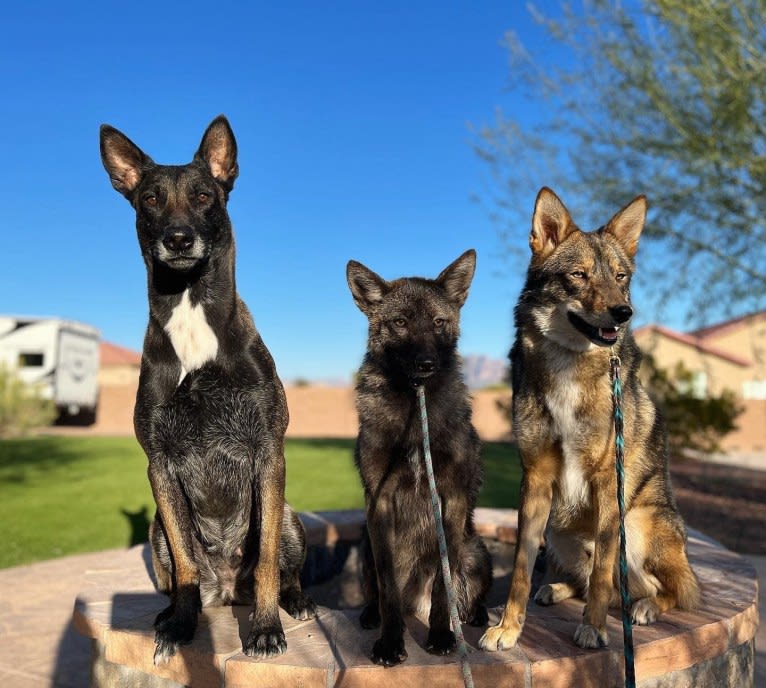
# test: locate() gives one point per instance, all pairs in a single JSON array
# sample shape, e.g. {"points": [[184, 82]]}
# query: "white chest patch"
{"points": [[193, 339], [562, 402]]}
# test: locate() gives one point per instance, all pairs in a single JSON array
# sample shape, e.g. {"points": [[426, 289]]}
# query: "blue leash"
{"points": [[457, 628], [619, 445]]}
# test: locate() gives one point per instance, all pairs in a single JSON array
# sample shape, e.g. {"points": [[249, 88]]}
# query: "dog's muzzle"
{"points": [[425, 366], [602, 335], [179, 248]]}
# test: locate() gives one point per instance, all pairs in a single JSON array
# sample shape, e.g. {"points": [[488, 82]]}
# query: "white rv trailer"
{"points": [[61, 357]]}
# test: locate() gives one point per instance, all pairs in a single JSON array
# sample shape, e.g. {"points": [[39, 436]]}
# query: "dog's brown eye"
{"points": [[620, 276], [151, 201], [438, 322], [400, 322], [203, 197], [577, 274]]}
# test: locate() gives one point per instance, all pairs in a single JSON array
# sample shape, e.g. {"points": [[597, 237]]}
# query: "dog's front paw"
{"points": [[590, 637], [500, 638], [370, 617], [299, 606], [389, 651], [264, 642], [173, 628], [644, 611], [440, 642]]}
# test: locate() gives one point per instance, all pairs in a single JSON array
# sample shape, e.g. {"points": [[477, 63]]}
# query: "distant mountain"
{"points": [[481, 371]]}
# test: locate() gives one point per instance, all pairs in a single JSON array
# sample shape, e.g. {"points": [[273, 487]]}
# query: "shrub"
{"points": [[695, 422], [22, 407]]}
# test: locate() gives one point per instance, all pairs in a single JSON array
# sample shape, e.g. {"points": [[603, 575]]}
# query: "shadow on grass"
{"points": [[138, 521], [19, 458]]}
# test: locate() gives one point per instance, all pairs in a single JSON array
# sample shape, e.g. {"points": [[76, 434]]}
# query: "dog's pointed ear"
{"points": [[457, 276], [626, 226], [218, 149], [367, 288], [551, 223], [123, 160]]}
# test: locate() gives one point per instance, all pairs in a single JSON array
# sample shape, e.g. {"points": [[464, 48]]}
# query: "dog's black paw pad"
{"points": [[370, 617], [388, 653], [480, 616], [265, 643], [299, 606], [441, 642]]}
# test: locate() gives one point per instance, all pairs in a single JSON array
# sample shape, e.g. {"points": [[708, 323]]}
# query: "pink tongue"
{"points": [[610, 333]]}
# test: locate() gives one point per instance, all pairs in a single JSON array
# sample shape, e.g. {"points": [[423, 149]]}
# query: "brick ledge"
{"points": [[117, 607]]}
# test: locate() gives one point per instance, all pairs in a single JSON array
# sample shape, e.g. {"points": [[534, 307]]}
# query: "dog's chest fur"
{"points": [[563, 401], [192, 338], [575, 413]]}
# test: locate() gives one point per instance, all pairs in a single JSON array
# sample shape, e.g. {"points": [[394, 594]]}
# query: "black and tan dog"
{"points": [[572, 316], [413, 332], [211, 412]]}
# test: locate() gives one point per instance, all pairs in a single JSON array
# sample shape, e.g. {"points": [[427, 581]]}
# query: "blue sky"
{"points": [[353, 121]]}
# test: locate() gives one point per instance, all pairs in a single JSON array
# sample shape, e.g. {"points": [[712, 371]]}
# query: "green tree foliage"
{"points": [[662, 97], [21, 406], [694, 423]]}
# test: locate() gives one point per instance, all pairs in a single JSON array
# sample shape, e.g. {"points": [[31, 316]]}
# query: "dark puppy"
{"points": [[414, 327], [210, 412]]}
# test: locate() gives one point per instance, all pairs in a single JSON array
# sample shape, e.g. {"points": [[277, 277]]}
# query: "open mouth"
{"points": [[603, 336]]}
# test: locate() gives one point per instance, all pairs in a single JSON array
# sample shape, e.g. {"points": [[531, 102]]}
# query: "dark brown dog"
{"points": [[211, 412], [414, 327]]}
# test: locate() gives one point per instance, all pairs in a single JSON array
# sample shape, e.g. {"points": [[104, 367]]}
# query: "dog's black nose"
{"points": [[425, 364], [178, 239], [621, 313]]}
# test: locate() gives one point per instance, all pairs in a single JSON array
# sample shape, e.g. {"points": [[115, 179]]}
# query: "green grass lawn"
{"points": [[64, 495]]}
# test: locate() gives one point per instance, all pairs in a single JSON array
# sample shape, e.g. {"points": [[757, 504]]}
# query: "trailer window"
{"points": [[30, 360]]}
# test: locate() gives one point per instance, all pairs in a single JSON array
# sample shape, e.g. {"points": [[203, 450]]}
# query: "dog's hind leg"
{"points": [[473, 581], [292, 555], [553, 593], [672, 581]]}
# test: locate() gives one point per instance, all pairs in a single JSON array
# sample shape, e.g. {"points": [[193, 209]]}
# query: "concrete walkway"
{"points": [[39, 647]]}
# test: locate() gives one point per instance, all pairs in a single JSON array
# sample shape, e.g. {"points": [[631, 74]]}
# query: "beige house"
{"points": [[730, 355], [119, 366]]}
